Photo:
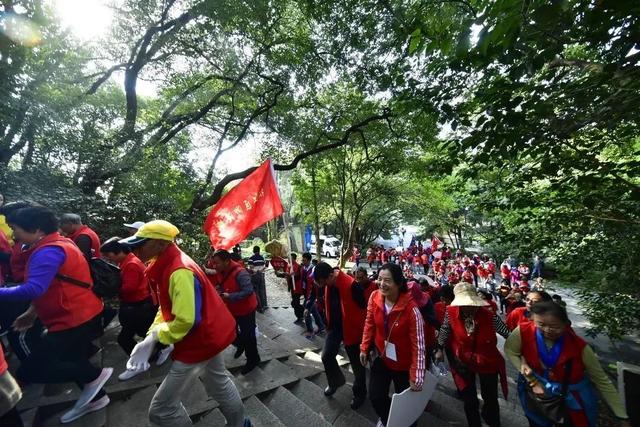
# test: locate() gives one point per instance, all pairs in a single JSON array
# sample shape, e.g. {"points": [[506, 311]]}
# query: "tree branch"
{"points": [[344, 140]]}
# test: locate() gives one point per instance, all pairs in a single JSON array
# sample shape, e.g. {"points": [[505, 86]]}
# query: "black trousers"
{"points": [[489, 391], [11, 419], [135, 319], [380, 381], [298, 309], [22, 343], [64, 357], [335, 376], [261, 291], [246, 339]]}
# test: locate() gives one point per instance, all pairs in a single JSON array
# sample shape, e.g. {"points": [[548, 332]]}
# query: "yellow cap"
{"points": [[158, 229]]}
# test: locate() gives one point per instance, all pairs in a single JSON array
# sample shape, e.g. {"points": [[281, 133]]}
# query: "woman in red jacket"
{"points": [[395, 329]]}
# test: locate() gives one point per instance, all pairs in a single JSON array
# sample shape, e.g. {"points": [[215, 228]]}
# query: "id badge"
{"points": [[390, 351]]}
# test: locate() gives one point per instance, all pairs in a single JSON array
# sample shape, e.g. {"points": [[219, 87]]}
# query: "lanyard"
{"points": [[549, 357], [386, 318]]}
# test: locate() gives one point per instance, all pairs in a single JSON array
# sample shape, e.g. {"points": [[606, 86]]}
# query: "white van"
{"points": [[330, 247]]}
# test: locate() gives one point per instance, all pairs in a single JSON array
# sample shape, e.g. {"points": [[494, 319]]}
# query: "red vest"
{"points": [[572, 350], [95, 240], [18, 261], [4, 266], [229, 284], [135, 286], [297, 279], [483, 343], [216, 328], [517, 317], [64, 305], [352, 315], [3, 363]]}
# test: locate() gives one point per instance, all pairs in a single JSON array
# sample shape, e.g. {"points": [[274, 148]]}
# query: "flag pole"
{"points": [[285, 222]]}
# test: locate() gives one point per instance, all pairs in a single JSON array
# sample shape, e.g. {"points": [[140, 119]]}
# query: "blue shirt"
{"points": [[43, 266]]}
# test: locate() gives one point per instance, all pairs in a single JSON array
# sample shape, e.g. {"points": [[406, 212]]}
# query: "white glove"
{"points": [[139, 359]]}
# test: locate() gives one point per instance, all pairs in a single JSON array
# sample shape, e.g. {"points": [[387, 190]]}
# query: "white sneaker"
{"points": [[91, 389], [164, 354], [379, 424], [128, 374], [77, 412]]}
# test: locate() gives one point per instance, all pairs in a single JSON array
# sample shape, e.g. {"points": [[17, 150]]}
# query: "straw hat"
{"points": [[467, 295]]}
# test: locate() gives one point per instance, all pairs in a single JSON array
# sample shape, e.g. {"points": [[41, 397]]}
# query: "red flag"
{"points": [[435, 242], [243, 209]]}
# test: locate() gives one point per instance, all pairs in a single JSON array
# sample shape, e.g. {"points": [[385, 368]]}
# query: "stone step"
{"points": [[345, 394], [352, 419], [268, 376], [131, 411], [93, 419], [213, 418], [259, 414], [313, 396], [280, 373], [292, 411], [302, 367]]}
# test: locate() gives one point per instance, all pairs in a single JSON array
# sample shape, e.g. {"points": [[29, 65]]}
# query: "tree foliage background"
{"points": [[512, 124]]}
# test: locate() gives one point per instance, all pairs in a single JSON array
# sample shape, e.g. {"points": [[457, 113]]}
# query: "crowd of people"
{"points": [[414, 309]]}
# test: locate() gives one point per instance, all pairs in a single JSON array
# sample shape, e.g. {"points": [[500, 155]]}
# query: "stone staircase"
{"points": [[285, 390]]}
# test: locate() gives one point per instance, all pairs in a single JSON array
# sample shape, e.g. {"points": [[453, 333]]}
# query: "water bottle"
{"points": [[441, 369]]}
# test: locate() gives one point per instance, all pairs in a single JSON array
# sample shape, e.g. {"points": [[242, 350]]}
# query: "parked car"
{"points": [[330, 247]]}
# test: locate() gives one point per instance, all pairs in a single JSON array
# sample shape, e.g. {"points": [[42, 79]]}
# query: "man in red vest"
{"points": [[84, 237], [194, 319], [346, 309], [233, 282]]}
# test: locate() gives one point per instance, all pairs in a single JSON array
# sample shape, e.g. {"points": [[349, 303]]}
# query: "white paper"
{"points": [[390, 351], [407, 406]]}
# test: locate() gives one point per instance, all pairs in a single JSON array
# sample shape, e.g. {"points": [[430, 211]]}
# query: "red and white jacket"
{"points": [[406, 333]]}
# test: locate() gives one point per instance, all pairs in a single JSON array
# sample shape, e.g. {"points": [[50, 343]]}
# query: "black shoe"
{"points": [[357, 402], [248, 368], [330, 391], [299, 322], [238, 352]]}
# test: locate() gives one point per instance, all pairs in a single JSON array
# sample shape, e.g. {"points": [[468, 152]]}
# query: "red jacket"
{"points": [[571, 350], [64, 305], [480, 346], [135, 287], [95, 240], [228, 283], [352, 315], [215, 328], [517, 317], [406, 333]]}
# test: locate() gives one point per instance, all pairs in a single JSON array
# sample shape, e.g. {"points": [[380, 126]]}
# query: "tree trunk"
{"points": [[316, 216]]}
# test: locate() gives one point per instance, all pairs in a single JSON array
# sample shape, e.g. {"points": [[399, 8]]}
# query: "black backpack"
{"points": [[107, 280]]}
